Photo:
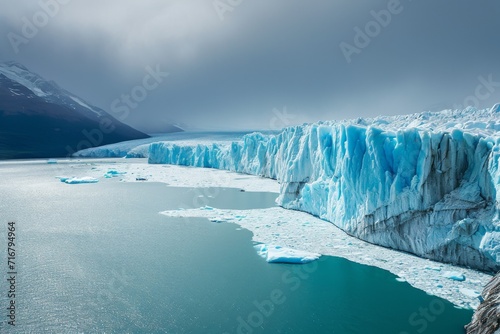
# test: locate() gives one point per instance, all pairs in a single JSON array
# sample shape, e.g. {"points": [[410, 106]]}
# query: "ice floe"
{"points": [[278, 254], [78, 180]]}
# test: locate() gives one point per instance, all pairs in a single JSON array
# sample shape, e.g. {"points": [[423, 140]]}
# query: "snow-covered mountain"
{"points": [[40, 119], [426, 183]]}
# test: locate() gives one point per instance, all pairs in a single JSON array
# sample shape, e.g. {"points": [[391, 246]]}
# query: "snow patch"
{"points": [[23, 77], [83, 104]]}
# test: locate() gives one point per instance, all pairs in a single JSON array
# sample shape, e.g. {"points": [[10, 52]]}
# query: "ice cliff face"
{"points": [[425, 183]]}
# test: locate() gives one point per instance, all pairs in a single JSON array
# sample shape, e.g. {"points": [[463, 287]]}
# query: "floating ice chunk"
{"points": [[206, 207], [400, 279], [51, 161], [78, 180], [85, 179], [454, 275], [113, 173], [278, 254]]}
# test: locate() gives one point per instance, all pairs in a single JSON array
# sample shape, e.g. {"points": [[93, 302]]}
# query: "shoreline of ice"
{"points": [[300, 230]]}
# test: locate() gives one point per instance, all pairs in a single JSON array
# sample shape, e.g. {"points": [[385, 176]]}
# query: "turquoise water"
{"points": [[97, 258]]}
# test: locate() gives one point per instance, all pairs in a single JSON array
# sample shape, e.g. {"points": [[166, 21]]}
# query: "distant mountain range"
{"points": [[39, 119]]}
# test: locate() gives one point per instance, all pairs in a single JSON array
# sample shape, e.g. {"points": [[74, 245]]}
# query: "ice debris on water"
{"points": [[113, 173], [278, 254], [454, 275], [78, 180]]}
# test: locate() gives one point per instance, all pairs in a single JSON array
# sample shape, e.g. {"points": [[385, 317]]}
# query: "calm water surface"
{"points": [[98, 258]]}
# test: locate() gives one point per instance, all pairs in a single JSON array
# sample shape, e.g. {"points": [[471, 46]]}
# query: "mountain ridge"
{"points": [[39, 119]]}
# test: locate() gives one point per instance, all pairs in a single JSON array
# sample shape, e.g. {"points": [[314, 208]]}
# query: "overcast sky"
{"points": [[240, 65]]}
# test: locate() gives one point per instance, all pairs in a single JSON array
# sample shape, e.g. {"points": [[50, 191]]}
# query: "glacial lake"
{"points": [[97, 258]]}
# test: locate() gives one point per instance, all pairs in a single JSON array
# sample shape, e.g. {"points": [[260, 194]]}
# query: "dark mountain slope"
{"points": [[38, 119]]}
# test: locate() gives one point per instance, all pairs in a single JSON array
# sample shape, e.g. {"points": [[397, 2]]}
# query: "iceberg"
{"points": [[424, 183], [278, 254]]}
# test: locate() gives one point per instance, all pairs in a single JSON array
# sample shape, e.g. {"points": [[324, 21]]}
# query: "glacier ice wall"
{"points": [[414, 186]]}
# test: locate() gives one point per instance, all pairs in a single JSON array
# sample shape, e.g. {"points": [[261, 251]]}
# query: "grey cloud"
{"points": [[264, 55]]}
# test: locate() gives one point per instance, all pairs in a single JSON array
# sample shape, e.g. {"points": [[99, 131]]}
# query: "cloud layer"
{"points": [[263, 56]]}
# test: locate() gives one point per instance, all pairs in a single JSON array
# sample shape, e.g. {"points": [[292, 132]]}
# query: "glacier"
{"points": [[424, 183], [139, 148]]}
